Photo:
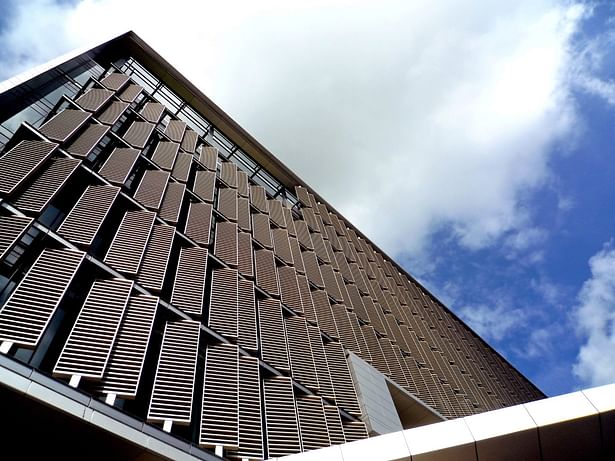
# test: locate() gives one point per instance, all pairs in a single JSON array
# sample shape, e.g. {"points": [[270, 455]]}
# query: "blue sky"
{"points": [[475, 140]]}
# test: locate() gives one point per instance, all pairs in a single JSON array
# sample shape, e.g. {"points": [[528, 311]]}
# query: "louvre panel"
{"points": [[151, 188], [303, 196], [345, 394], [333, 238], [363, 350], [300, 353], [266, 278], [319, 248], [30, 307], [220, 407], [358, 277], [165, 154], [375, 350], [175, 130], [123, 373], [88, 346], [198, 224], [289, 288], [276, 212], [45, 186], [209, 157], [113, 112], [227, 203], [181, 169], [245, 262], [114, 81], [310, 219], [247, 316], [172, 202], [391, 358], [345, 296], [118, 166], [273, 334], [223, 305], [312, 269], [204, 184], [21, 161], [337, 224], [228, 174], [395, 332], [250, 425], [281, 418], [290, 223], [366, 266], [152, 111], [258, 198], [156, 258], [334, 425], [354, 239], [93, 99], [189, 141], [306, 299], [375, 314], [357, 303], [303, 235], [297, 258], [83, 145], [312, 422], [11, 230], [331, 255], [130, 93], [63, 125], [174, 383], [344, 328], [324, 213], [320, 361], [189, 287], [355, 430], [368, 250], [86, 217], [138, 134], [261, 230], [324, 313], [244, 220], [226, 247], [346, 249], [126, 250], [330, 280], [281, 245]]}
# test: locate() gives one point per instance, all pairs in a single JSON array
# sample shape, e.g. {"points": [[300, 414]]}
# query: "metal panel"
{"points": [[209, 157], [297, 258], [189, 141], [46, 185], [11, 230], [306, 299], [276, 212], [242, 184], [281, 417], [83, 145], [204, 185], [175, 130], [258, 198], [363, 350], [138, 134], [310, 219], [302, 365], [334, 425], [88, 346], [152, 111], [174, 383], [345, 394], [261, 230], [151, 188], [250, 418], [266, 278], [324, 314], [126, 250], [118, 166], [198, 224], [355, 430], [290, 223], [84, 220], [375, 314], [333, 238], [344, 328], [247, 338], [226, 247], [227, 203], [303, 235], [115, 81], [303, 195], [172, 202], [324, 213], [312, 268], [289, 288], [156, 258], [63, 125], [29, 309], [220, 404], [245, 257], [338, 224], [130, 93], [165, 154], [244, 220], [189, 287], [94, 98], [228, 174], [359, 278], [312, 422], [281, 245], [375, 350], [113, 112], [125, 366], [273, 334], [358, 304], [330, 280], [21, 161], [223, 303], [320, 361], [181, 169]]}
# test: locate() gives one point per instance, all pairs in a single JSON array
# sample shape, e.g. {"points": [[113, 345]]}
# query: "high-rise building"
{"points": [[169, 289]]}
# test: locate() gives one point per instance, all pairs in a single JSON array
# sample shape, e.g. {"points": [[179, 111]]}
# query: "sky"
{"points": [[473, 141]]}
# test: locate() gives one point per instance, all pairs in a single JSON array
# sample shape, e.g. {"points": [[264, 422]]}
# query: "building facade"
{"points": [[161, 265]]}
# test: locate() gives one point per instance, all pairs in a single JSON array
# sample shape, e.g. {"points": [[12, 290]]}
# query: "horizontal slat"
{"points": [[63, 125], [198, 224], [126, 250], [156, 258], [21, 161], [152, 188], [226, 247], [11, 230], [189, 287], [273, 334], [118, 166], [247, 316], [223, 303], [281, 417], [172, 202], [355, 430], [86, 141], [204, 184], [266, 277]]}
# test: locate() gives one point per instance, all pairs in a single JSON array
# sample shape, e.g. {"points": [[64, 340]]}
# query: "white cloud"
{"points": [[595, 317], [494, 323]]}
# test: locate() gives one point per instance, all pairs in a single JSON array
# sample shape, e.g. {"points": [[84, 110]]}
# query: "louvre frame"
{"points": [[281, 417], [247, 330], [138, 133], [112, 112], [181, 169], [310, 219], [273, 334], [223, 302], [12, 228], [266, 278], [344, 328], [189, 286], [243, 184], [300, 354], [343, 386], [155, 261], [128, 246], [312, 422], [151, 189], [119, 165], [198, 223], [21, 161], [204, 185], [172, 202], [290, 222], [83, 144], [303, 195], [64, 124], [227, 203], [245, 256], [165, 154], [226, 244], [94, 98], [319, 248]]}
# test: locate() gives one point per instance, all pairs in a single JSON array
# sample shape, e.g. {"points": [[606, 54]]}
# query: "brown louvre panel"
{"points": [[243, 214], [123, 372], [319, 247], [281, 417], [174, 383], [375, 350], [281, 245], [181, 169], [189, 286], [245, 262], [138, 134], [345, 395], [130, 93], [30, 307], [242, 184], [368, 250], [113, 112], [247, 316], [357, 301], [333, 238], [276, 213], [156, 258], [204, 184], [331, 255], [290, 223], [118, 166], [11, 229], [44, 188], [306, 299], [189, 141], [266, 278], [324, 213], [342, 263], [376, 316], [262, 230], [363, 350], [295, 249], [312, 269], [83, 145], [198, 224], [21, 161], [126, 250], [366, 266], [114, 81], [152, 111], [151, 188], [345, 296], [393, 363], [310, 219], [346, 332], [358, 277], [303, 195], [258, 198], [250, 422], [220, 407], [63, 125], [273, 334], [354, 239], [374, 268], [227, 203], [355, 430], [324, 314], [289, 288], [395, 333], [320, 361], [88, 346], [94, 99], [346, 249], [172, 202], [175, 130], [314, 433], [223, 304], [228, 174], [84, 220], [334, 425], [303, 235], [330, 280], [209, 157], [337, 224], [301, 358], [226, 247], [165, 154]]}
